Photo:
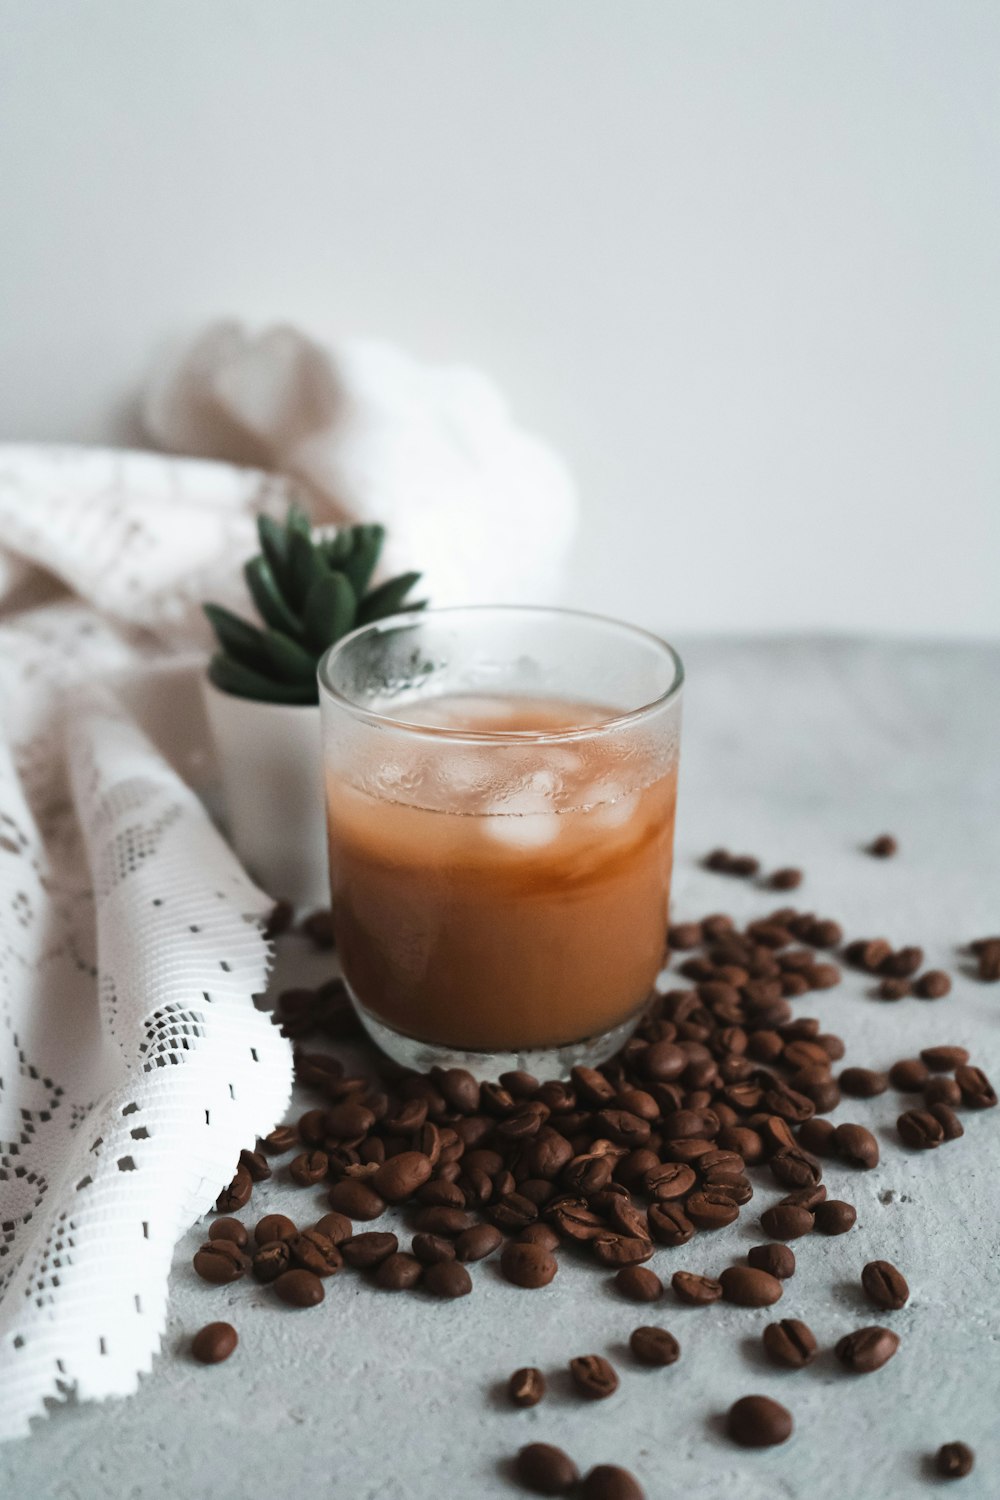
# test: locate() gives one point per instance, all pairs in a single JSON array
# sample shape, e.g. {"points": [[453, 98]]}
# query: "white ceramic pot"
{"points": [[270, 766]]}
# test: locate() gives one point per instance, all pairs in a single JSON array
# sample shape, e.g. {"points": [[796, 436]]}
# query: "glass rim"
{"points": [[444, 732]]}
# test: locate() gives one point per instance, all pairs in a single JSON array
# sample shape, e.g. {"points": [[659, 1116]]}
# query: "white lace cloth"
{"points": [[133, 1064]]}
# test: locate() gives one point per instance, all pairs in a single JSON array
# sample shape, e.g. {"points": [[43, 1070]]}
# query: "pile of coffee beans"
{"points": [[654, 1149]]}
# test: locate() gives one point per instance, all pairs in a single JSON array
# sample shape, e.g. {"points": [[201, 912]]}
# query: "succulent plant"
{"points": [[309, 591]]}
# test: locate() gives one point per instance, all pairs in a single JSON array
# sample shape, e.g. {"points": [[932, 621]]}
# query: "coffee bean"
{"points": [[229, 1229], [932, 985], [856, 1145], [719, 861], [526, 1387], [758, 1422], [863, 1083], [711, 1208], [868, 953], [795, 1168], [271, 1261], [884, 1285], [894, 989], [448, 1279], [954, 1460], [835, 1216], [336, 1227], [977, 1091], [920, 1130], [988, 964], [749, 1287], [943, 1090], [944, 1059], [593, 1376], [785, 879], [237, 1194], [365, 1251], [450, 1222], [528, 1266], [866, 1349], [536, 1234], [884, 847], [430, 1248], [318, 928], [669, 1224], [355, 1199], [639, 1284], [807, 1197], [478, 1242], [299, 1288], [256, 1164], [309, 1168], [790, 1343], [401, 1176], [399, 1272], [609, 1482], [662, 1062], [283, 1138], [312, 1251], [816, 1136], [696, 1291], [274, 1227], [948, 1120], [279, 919], [776, 1260], [903, 963], [685, 935], [546, 1470], [214, 1343], [786, 1221], [909, 1075], [220, 1262]]}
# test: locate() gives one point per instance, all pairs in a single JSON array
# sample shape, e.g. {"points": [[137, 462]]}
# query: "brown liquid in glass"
{"points": [[501, 931]]}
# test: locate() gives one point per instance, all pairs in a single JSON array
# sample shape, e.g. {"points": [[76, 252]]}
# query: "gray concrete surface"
{"points": [[798, 751]]}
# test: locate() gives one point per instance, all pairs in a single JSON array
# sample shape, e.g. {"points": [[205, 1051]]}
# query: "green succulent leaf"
{"points": [[364, 555], [306, 566], [329, 610], [339, 548], [274, 545], [269, 599], [297, 523], [286, 659], [387, 599], [242, 640], [233, 677]]}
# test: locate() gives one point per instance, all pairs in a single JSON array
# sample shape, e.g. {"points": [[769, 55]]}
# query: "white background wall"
{"points": [[737, 258]]}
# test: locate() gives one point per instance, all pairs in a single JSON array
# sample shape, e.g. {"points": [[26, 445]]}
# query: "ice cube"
{"points": [[614, 807], [523, 830]]}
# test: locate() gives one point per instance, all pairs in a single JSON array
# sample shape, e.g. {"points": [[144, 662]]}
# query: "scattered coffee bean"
{"points": [[447, 1279], [684, 936], [834, 1216], [787, 879], [399, 1272], [776, 1260], [279, 919], [790, 1343], [639, 1284], [312, 1251], [368, 1250], [593, 1376], [478, 1242], [336, 1227], [884, 1285], [954, 1460], [977, 1091], [909, 1075], [749, 1287], [220, 1262], [356, 1199], [299, 1288], [271, 1261], [903, 963], [758, 1422], [284, 1138], [214, 1343], [807, 1197], [946, 1117], [863, 1083], [942, 1090], [868, 953], [920, 1130], [529, 1266], [816, 1136], [867, 1349], [274, 1227], [944, 1059], [932, 985], [318, 927], [857, 1145], [526, 1387], [546, 1470], [430, 1248], [654, 1346], [696, 1291], [237, 1194], [669, 1224], [894, 989], [711, 1208], [609, 1482], [786, 1221], [256, 1164], [884, 847], [401, 1176], [309, 1168], [229, 1229], [988, 962]]}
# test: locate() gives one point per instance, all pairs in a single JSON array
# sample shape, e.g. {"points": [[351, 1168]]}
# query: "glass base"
{"points": [[543, 1062]]}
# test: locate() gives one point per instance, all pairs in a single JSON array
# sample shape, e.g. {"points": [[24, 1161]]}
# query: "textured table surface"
{"points": [[799, 752]]}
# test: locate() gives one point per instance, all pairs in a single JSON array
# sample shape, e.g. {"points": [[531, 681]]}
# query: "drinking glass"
{"points": [[500, 789]]}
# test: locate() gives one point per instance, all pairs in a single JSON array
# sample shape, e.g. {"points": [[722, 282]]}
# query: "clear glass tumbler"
{"points": [[500, 788]]}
